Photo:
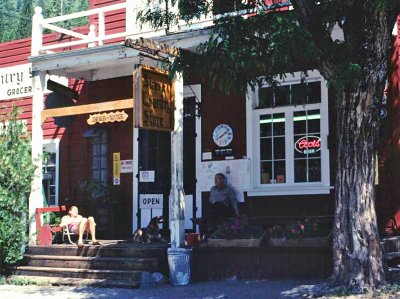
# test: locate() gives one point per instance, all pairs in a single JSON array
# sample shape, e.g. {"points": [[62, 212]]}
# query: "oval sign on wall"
{"points": [[308, 145]]}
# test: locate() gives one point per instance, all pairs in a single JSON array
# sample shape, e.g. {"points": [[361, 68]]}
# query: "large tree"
{"points": [[299, 35]]}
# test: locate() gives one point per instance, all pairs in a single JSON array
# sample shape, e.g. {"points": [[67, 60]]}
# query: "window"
{"points": [[50, 171], [100, 154], [287, 137]]}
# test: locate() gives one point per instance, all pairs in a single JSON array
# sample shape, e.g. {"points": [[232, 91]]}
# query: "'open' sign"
{"points": [[151, 201]]}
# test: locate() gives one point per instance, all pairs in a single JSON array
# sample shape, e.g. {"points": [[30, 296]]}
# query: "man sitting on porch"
{"points": [[223, 203]]}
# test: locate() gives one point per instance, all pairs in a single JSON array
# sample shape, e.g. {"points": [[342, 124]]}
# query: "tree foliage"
{"points": [[349, 42], [16, 15], [16, 173]]}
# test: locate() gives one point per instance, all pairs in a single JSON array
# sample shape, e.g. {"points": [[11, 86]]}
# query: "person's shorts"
{"points": [[73, 227]]}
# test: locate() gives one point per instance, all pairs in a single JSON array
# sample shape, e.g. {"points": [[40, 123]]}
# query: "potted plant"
{"points": [[237, 233]]}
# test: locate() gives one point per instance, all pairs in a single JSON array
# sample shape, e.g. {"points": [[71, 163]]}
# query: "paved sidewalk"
{"points": [[248, 289]]}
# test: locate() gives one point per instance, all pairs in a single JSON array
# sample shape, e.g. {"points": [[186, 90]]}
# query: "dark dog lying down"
{"points": [[151, 233]]}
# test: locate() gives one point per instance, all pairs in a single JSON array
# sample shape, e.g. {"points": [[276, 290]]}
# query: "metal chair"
{"points": [[68, 234]]}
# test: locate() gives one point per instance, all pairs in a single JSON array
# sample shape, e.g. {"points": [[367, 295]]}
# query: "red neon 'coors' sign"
{"points": [[308, 144]]}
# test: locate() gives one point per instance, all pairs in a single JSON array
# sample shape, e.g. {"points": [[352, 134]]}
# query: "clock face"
{"points": [[222, 135]]}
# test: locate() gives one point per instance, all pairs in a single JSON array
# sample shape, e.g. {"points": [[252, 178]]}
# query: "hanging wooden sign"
{"points": [[107, 117], [155, 99]]}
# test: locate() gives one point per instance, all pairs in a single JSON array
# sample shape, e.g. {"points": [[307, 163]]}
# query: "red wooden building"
{"points": [[277, 175]]}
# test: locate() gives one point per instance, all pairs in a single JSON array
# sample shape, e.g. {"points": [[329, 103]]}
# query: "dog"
{"points": [[151, 233]]}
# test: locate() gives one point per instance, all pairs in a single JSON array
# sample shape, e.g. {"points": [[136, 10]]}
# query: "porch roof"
{"points": [[110, 61]]}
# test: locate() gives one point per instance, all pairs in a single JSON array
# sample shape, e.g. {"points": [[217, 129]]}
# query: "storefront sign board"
{"points": [[107, 117], [16, 81], [155, 99]]}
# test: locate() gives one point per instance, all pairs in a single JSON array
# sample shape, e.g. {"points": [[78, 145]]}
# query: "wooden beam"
{"points": [[89, 108]]}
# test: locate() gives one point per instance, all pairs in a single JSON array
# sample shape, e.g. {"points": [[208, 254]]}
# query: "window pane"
{"points": [[314, 121], [314, 166], [279, 148], [299, 94], [300, 170], [266, 172], [266, 149], [314, 148], [314, 92], [279, 124], [299, 122], [282, 95], [265, 125], [279, 172], [96, 174], [266, 97], [103, 162], [104, 149], [96, 163]]}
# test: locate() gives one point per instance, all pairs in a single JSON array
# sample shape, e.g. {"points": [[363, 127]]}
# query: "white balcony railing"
{"points": [[98, 36]]}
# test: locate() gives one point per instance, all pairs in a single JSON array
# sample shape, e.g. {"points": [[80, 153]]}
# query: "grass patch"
{"points": [[22, 281]]}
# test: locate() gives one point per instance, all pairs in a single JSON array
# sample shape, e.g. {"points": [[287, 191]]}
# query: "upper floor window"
{"points": [[287, 140]]}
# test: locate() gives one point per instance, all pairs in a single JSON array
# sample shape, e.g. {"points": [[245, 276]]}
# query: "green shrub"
{"points": [[16, 173]]}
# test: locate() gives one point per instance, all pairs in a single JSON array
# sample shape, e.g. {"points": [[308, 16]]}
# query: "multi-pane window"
{"points": [[50, 172], [100, 154], [307, 146], [272, 148], [291, 123]]}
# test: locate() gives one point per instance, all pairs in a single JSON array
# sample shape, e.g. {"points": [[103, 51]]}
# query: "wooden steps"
{"points": [[108, 265], [83, 262]]}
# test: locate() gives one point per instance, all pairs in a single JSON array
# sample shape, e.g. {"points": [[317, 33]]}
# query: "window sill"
{"points": [[283, 189]]}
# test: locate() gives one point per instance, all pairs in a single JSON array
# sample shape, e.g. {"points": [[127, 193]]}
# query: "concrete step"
{"points": [[82, 262], [128, 275], [104, 251], [79, 282]]}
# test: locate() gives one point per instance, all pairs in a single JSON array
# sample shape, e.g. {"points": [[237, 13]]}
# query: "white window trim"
{"points": [[54, 144], [252, 133]]}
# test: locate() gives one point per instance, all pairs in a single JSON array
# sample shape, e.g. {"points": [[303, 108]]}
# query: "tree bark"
{"points": [[356, 251]]}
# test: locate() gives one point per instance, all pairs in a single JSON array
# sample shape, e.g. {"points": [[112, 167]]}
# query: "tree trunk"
{"points": [[356, 247]]}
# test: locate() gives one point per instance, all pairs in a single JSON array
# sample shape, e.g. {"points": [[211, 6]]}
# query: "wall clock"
{"points": [[222, 135]]}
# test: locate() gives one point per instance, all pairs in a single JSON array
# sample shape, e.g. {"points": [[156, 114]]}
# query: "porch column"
{"points": [[176, 197], [36, 197]]}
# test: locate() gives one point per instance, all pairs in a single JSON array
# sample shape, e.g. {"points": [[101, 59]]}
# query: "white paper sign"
{"points": [[151, 201], [16, 81], [146, 176], [126, 166]]}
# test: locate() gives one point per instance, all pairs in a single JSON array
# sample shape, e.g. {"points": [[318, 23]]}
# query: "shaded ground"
{"points": [[225, 289], [247, 289]]}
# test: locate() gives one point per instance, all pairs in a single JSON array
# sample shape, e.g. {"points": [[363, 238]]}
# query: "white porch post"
{"points": [[37, 31], [36, 197], [176, 197], [130, 20]]}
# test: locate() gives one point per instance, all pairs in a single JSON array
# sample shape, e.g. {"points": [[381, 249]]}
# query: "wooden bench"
{"points": [[45, 232]]}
